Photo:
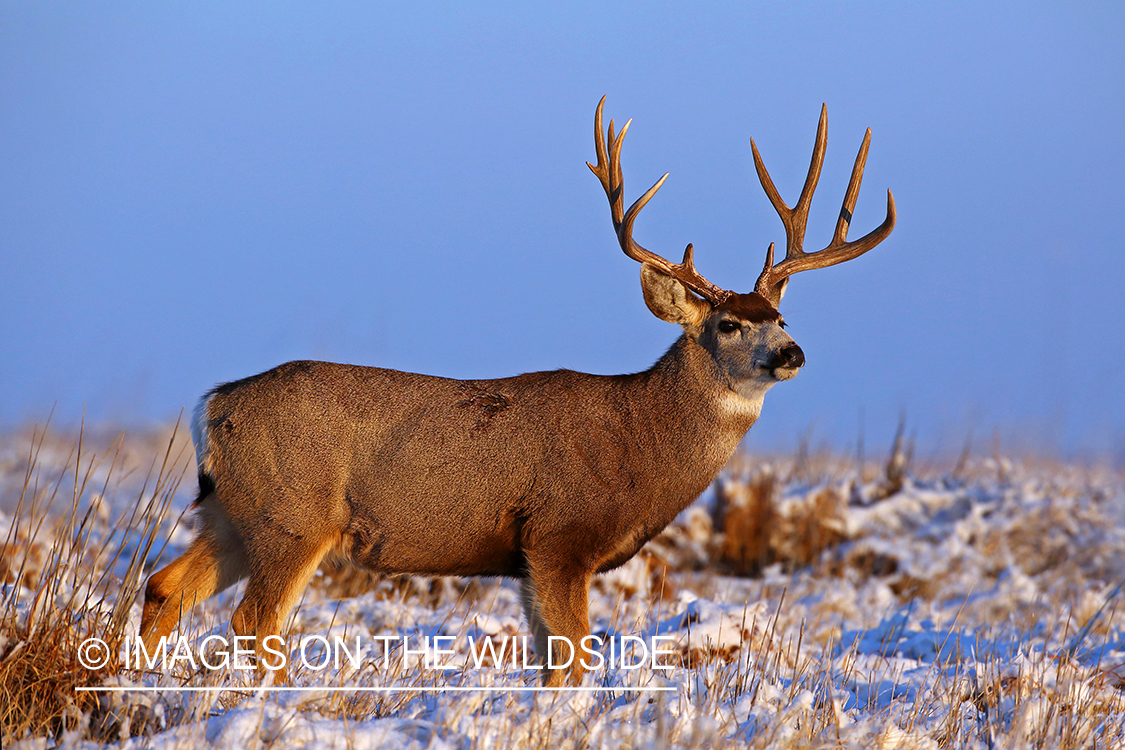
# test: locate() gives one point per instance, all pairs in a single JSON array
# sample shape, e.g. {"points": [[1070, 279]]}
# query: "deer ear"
{"points": [[781, 289], [670, 300]]}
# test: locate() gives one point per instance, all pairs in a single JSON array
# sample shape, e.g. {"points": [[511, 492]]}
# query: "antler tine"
{"points": [[771, 283], [796, 219], [852, 193], [608, 172], [602, 171]]}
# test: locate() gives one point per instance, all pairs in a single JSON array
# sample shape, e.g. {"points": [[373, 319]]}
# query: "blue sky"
{"points": [[192, 193]]}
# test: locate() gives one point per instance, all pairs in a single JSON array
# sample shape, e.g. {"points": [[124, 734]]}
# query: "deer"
{"points": [[546, 477]]}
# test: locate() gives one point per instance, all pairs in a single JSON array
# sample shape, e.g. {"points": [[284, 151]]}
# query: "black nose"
{"points": [[789, 356]]}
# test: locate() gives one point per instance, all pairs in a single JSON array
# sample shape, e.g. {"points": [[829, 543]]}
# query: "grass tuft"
{"points": [[70, 575]]}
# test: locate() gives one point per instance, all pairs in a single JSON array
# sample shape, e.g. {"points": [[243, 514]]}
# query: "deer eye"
{"points": [[728, 326]]}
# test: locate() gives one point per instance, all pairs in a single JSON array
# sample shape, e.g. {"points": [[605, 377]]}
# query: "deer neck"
{"points": [[693, 394]]}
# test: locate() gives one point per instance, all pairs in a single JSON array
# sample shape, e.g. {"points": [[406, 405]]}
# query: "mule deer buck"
{"points": [[548, 477]]}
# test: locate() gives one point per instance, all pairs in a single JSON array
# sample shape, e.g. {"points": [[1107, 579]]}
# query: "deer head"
{"points": [[743, 333]]}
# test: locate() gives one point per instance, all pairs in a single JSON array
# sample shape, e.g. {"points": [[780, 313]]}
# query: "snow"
{"points": [[975, 610]]}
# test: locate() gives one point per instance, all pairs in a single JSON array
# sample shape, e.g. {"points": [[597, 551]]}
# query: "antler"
{"points": [[771, 284], [608, 172]]}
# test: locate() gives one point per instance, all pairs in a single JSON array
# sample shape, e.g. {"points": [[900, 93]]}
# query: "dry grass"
{"points": [[778, 671], [60, 589]]}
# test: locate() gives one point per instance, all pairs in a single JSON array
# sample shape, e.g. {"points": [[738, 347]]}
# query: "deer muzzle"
{"points": [[788, 357]]}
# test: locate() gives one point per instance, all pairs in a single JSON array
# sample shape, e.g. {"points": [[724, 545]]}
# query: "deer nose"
{"points": [[789, 356]]}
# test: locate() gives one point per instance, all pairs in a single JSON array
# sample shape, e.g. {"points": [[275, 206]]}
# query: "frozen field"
{"points": [[799, 605]]}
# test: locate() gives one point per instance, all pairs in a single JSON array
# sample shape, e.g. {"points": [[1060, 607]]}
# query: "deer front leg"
{"points": [[555, 603]]}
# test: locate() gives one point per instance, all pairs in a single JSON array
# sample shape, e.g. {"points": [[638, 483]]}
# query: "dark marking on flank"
{"points": [[491, 403], [488, 404], [752, 307]]}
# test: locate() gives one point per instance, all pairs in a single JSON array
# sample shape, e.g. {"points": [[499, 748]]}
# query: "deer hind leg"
{"points": [[279, 573], [214, 562], [555, 602]]}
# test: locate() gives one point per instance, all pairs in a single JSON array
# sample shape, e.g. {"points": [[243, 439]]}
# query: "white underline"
{"points": [[388, 689]]}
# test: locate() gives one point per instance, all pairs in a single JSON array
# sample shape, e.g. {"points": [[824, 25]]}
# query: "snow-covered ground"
{"points": [[975, 607]]}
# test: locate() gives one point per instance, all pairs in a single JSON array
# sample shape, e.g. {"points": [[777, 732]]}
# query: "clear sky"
{"points": [[194, 192]]}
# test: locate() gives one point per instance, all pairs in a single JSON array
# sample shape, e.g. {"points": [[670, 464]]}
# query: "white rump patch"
{"points": [[199, 435]]}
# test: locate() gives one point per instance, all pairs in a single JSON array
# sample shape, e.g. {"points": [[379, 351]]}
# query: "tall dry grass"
{"points": [[70, 571]]}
